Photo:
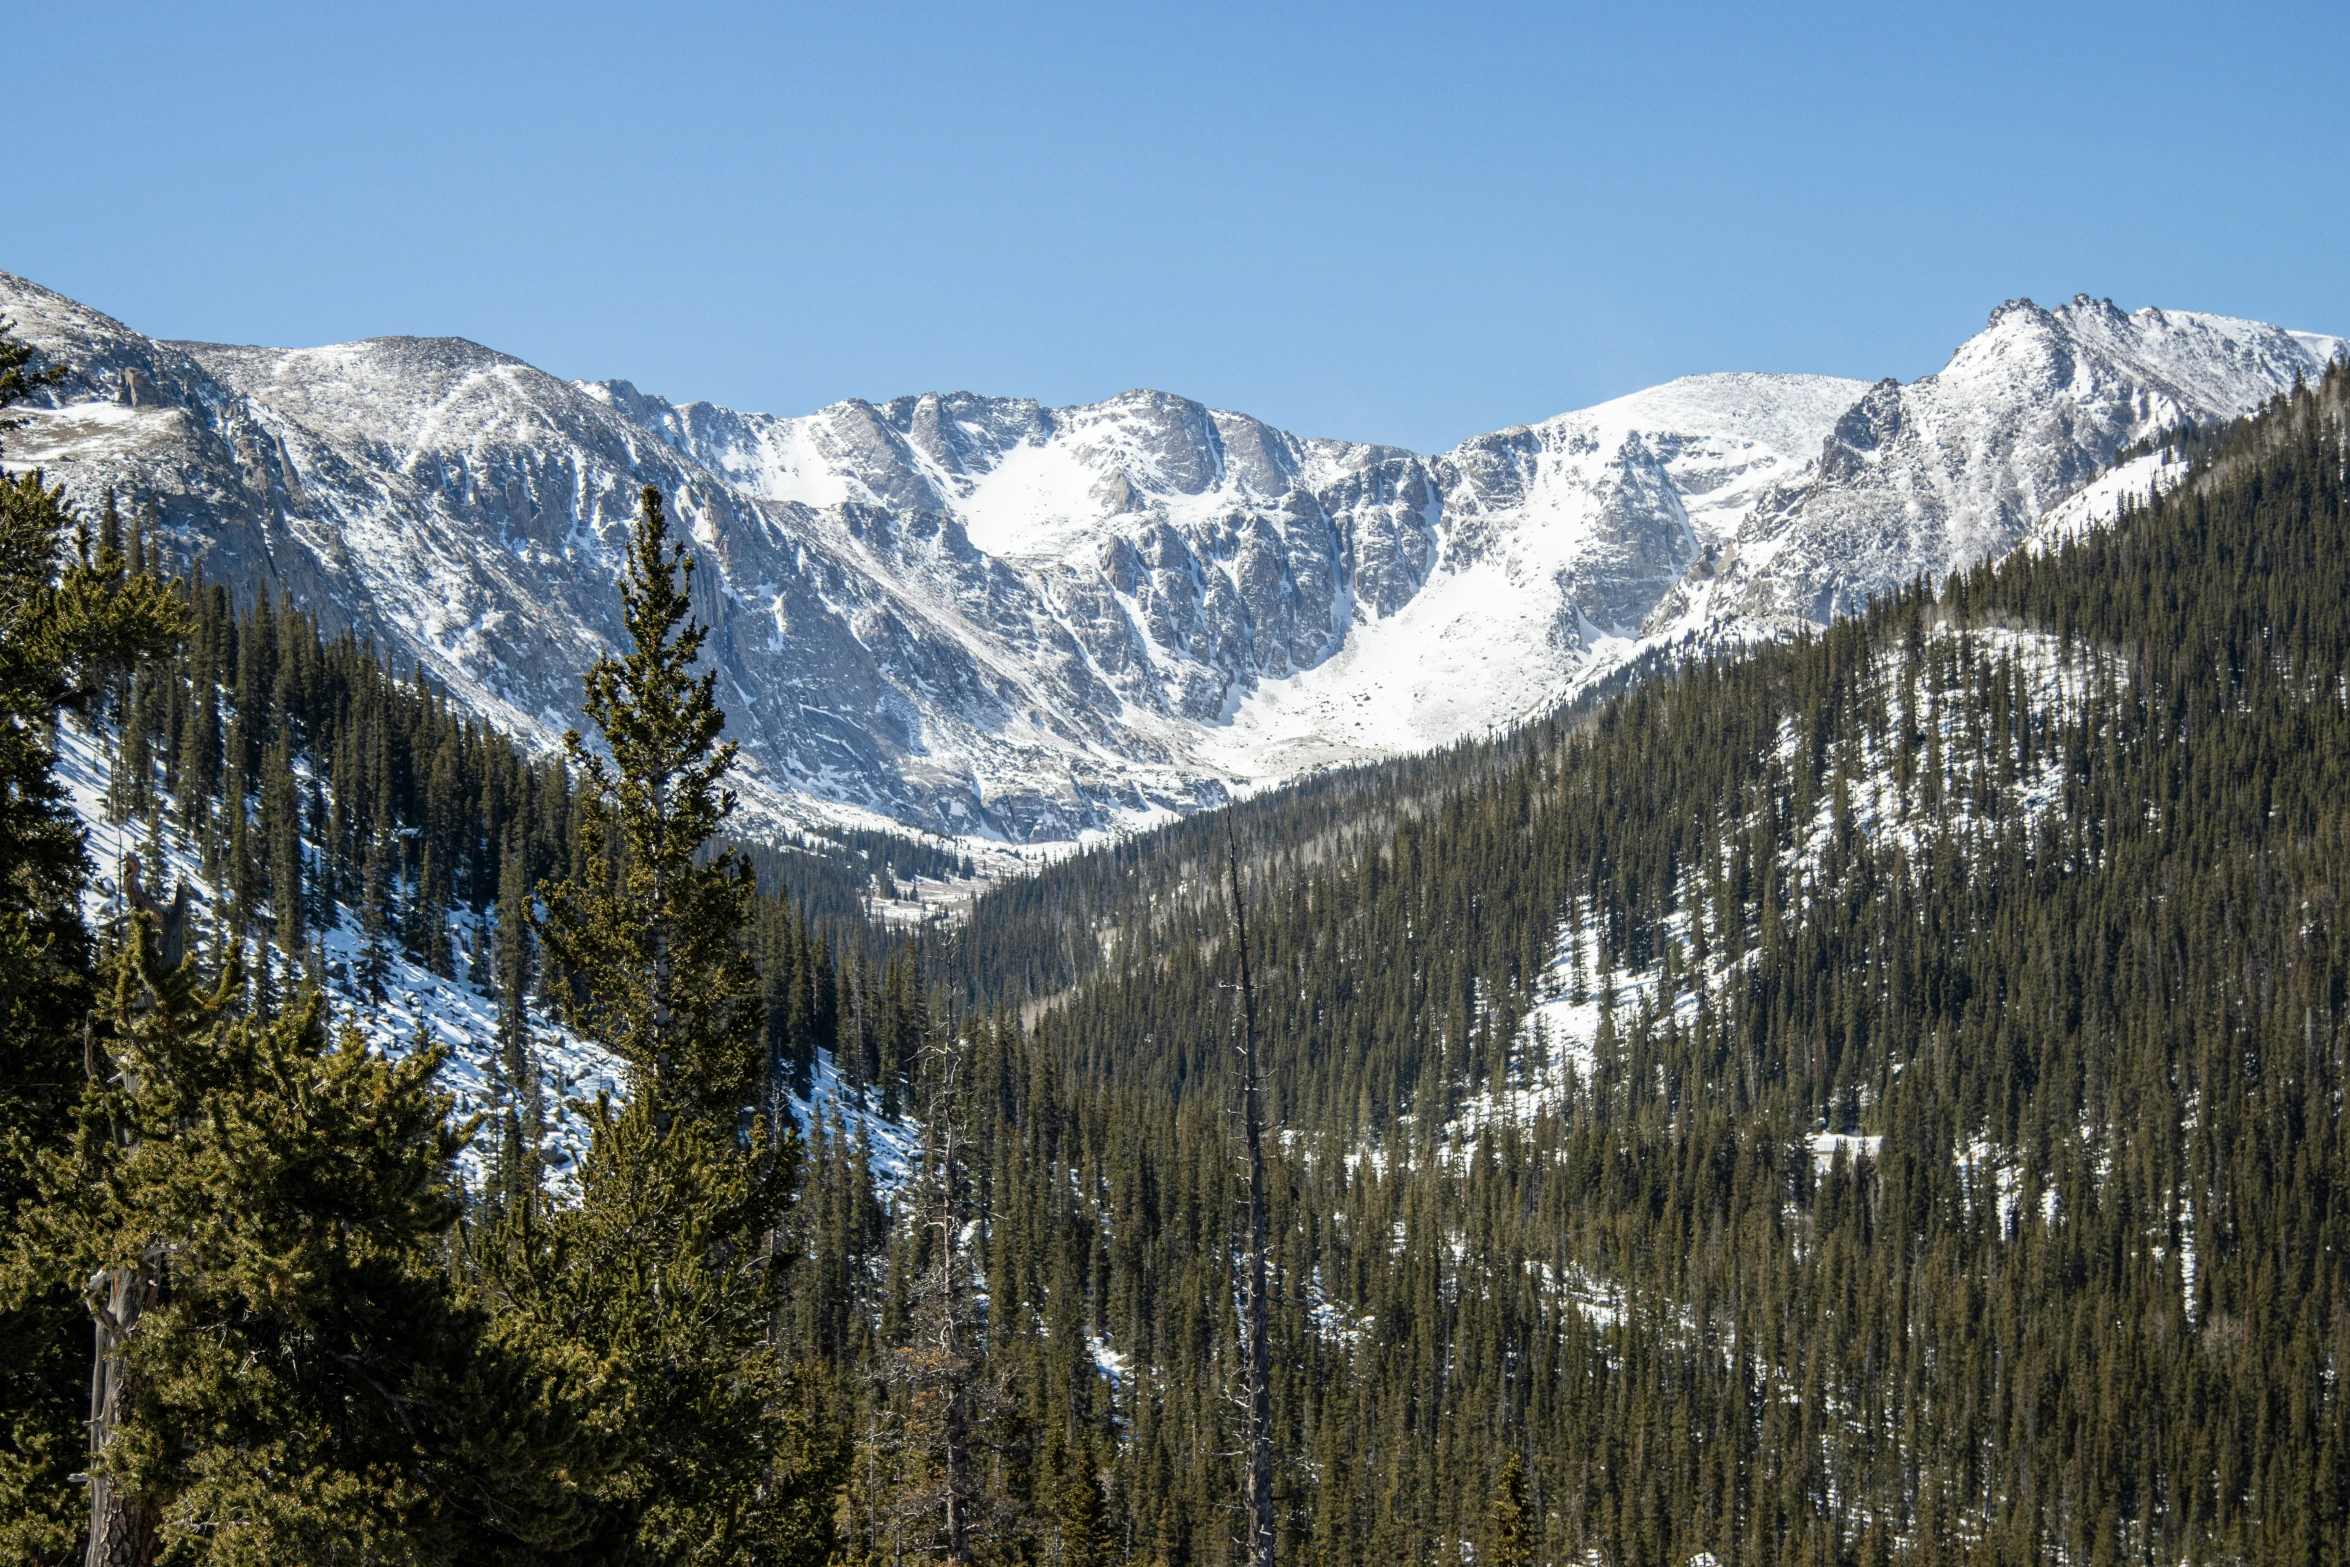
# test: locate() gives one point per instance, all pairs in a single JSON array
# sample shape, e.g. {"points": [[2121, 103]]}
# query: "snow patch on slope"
{"points": [[2132, 483], [421, 1007]]}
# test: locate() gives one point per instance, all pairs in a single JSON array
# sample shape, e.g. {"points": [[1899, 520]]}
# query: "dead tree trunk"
{"points": [[1256, 1352], [122, 1526], [946, 1360], [955, 1424]]}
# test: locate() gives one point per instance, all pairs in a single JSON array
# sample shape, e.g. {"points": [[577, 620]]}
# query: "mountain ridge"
{"points": [[999, 620]]}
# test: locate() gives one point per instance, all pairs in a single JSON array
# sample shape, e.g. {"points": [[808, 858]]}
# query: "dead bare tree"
{"points": [[1256, 1351], [936, 1367], [122, 1525]]}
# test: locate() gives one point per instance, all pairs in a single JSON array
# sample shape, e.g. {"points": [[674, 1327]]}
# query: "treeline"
{"points": [[315, 787], [1957, 1171], [1877, 1098]]}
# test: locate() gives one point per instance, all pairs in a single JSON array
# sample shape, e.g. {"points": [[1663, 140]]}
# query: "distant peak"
{"points": [[2102, 306]]}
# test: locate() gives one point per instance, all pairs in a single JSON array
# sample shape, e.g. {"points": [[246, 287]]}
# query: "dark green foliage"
{"points": [[653, 933], [1511, 1542], [74, 621], [663, 1276], [304, 1384], [668, 1270], [2033, 876]]}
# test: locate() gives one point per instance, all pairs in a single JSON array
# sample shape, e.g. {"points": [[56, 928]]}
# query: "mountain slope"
{"points": [[988, 617], [1955, 468], [1876, 1096]]}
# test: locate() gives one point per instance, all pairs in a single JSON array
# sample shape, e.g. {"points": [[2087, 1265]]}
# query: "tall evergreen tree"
{"points": [[281, 835], [1511, 1542], [670, 1268], [375, 913], [523, 1118], [70, 624], [659, 945]]}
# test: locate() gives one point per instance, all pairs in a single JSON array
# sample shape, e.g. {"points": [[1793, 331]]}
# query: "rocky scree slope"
{"points": [[991, 618]]}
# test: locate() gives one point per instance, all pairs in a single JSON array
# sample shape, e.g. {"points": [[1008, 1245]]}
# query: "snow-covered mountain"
{"points": [[1918, 479], [1247, 602], [986, 616]]}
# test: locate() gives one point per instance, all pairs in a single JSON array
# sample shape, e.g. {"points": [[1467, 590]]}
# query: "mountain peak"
{"points": [[987, 616]]}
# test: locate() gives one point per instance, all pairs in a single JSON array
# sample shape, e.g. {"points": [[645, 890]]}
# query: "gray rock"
{"points": [[981, 615]]}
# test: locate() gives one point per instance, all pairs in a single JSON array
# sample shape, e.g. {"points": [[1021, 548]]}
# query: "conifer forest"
{"points": [[1872, 1097]]}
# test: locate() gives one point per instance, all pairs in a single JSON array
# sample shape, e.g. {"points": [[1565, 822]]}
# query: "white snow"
{"points": [[891, 1145], [1022, 625], [422, 1006], [1038, 503], [1115, 1365], [2132, 483], [1828, 1147]]}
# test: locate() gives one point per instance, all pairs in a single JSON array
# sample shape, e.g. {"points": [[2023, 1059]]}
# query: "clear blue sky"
{"points": [[1387, 223]]}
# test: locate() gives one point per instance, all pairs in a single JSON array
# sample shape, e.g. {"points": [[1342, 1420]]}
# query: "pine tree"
{"points": [[1511, 1540], [376, 917], [659, 946], [68, 627], [524, 1116], [281, 835], [1080, 1514], [17, 380], [669, 1270], [286, 1369], [160, 1009]]}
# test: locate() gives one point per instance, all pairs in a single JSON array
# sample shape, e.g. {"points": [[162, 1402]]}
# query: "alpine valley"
{"points": [[1768, 983], [1008, 623]]}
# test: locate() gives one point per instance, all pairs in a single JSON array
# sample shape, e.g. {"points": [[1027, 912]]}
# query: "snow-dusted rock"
{"points": [[1920, 479], [985, 616]]}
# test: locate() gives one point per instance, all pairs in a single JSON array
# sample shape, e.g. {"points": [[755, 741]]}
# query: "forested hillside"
{"points": [[1876, 1098], [314, 791], [1954, 1169]]}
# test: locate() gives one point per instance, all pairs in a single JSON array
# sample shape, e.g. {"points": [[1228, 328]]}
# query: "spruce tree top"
{"points": [[660, 721], [656, 945]]}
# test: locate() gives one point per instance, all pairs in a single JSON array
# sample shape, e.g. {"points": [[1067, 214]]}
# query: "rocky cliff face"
{"points": [[1915, 480], [1254, 602], [982, 615]]}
